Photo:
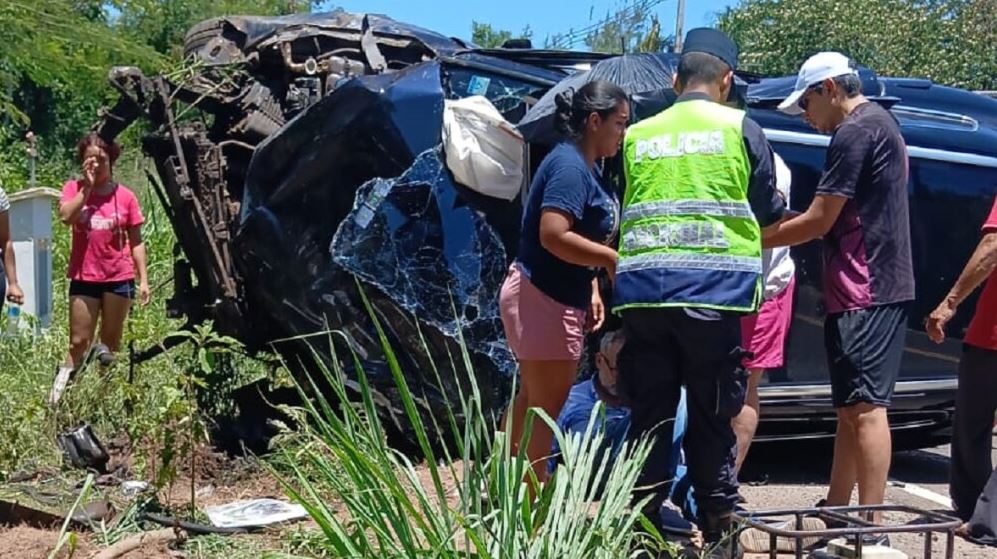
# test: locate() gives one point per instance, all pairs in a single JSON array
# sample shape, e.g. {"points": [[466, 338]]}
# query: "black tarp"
{"points": [[645, 77]]}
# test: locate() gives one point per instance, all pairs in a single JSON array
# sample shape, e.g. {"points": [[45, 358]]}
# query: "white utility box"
{"points": [[31, 232]]}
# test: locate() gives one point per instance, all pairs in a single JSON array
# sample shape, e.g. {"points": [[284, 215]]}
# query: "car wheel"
{"points": [[212, 38]]}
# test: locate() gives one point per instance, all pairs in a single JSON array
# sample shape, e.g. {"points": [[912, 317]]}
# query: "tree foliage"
{"points": [[54, 57], [162, 24], [631, 28], [486, 36], [952, 42]]}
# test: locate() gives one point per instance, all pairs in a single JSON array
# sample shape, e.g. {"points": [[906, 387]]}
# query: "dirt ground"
{"points": [[219, 480], [21, 542], [786, 481]]}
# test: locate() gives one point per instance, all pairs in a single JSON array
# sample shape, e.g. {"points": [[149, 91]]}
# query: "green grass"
{"points": [[295, 541], [105, 399], [474, 503], [28, 363]]}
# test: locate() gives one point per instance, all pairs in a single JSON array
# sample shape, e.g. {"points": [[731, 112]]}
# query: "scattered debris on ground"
{"points": [[34, 508]]}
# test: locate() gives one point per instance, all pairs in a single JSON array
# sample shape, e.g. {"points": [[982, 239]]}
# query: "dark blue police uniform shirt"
{"points": [[564, 182]]}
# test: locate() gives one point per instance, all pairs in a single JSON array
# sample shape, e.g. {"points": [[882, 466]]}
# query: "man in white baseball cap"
{"points": [[818, 68], [860, 210]]}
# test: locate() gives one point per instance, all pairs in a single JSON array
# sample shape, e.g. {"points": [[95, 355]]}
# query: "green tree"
{"points": [[54, 57], [951, 42], [162, 24], [486, 36]]}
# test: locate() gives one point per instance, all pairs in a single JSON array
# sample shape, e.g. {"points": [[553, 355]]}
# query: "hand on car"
{"points": [[937, 321], [14, 294]]}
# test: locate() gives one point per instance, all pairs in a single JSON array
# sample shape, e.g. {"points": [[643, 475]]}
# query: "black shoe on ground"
{"points": [[103, 355], [720, 535]]}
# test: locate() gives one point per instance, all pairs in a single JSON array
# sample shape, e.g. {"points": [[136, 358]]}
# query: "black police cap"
{"points": [[711, 41]]}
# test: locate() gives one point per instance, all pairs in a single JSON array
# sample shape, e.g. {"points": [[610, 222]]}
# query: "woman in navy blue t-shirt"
{"points": [[550, 296]]}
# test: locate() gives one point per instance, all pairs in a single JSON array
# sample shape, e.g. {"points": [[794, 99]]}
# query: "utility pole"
{"points": [[32, 156], [679, 19]]}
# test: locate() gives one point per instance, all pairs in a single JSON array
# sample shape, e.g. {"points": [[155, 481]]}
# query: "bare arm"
{"points": [[140, 259], [556, 236], [69, 210], [811, 224], [977, 270], [597, 310], [14, 293]]}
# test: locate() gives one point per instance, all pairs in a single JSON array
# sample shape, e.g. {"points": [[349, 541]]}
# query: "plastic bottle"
{"points": [[13, 317]]}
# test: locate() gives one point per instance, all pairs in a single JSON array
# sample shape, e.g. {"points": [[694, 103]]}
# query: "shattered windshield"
{"points": [[505, 92]]}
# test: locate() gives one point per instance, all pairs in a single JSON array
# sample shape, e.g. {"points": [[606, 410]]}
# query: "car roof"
{"points": [[931, 116]]}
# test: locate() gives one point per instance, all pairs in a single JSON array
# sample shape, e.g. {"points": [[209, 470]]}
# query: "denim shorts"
{"points": [[97, 289]]}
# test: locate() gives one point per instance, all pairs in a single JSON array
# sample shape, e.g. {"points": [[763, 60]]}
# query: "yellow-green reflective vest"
{"points": [[688, 236]]}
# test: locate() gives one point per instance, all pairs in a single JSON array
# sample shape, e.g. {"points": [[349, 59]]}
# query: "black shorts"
{"points": [[97, 289], [864, 350]]}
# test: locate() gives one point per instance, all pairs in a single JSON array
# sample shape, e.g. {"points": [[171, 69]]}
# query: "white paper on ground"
{"points": [[256, 512]]}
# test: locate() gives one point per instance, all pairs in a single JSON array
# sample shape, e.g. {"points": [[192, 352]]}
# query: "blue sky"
{"points": [[545, 17]]}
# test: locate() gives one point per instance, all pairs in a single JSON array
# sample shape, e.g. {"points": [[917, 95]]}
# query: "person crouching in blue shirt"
{"points": [[614, 420]]}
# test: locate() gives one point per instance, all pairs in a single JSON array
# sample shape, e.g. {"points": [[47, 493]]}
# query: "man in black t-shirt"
{"points": [[860, 211]]}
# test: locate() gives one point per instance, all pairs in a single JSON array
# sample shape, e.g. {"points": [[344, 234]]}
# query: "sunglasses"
{"points": [[803, 102]]}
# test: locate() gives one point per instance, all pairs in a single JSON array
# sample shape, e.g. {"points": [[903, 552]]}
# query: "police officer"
{"points": [[700, 185]]}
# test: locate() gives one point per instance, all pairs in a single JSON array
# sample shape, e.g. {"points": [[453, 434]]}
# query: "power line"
{"points": [[574, 36]]}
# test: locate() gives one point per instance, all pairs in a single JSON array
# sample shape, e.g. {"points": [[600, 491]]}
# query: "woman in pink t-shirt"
{"points": [[106, 258]]}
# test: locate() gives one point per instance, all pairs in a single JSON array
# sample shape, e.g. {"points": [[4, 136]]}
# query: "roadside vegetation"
{"points": [[364, 498]]}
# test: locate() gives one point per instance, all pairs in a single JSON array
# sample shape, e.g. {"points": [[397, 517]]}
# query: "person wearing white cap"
{"points": [[860, 210]]}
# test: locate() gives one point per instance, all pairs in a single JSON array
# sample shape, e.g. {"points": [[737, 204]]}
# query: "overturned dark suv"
{"points": [[300, 165]]}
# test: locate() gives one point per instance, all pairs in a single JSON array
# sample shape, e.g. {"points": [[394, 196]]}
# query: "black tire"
{"points": [[201, 33]]}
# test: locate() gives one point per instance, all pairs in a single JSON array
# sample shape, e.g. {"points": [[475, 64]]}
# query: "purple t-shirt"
{"points": [[867, 253]]}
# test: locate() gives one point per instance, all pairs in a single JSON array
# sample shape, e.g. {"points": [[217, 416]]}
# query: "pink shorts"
{"points": [[764, 333], [537, 327]]}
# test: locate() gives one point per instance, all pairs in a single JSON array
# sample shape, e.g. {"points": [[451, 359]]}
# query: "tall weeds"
{"points": [[468, 500]]}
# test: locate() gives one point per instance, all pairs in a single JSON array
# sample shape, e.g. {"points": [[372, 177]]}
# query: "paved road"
{"points": [[921, 480]]}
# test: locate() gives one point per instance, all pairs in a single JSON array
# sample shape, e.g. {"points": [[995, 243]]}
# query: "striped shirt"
{"points": [[4, 202]]}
